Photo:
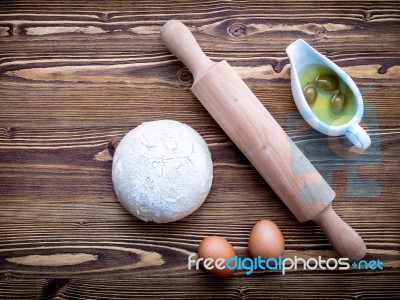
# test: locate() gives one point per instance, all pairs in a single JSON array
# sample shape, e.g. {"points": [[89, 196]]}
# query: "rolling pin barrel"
{"points": [[260, 138]]}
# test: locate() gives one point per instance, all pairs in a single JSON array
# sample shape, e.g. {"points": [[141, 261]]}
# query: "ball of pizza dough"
{"points": [[162, 171]]}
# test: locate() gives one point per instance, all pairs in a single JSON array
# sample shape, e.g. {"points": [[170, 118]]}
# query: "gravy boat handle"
{"points": [[358, 136]]}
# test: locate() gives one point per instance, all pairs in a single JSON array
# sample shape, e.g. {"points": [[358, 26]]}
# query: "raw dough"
{"points": [[162, 171]]}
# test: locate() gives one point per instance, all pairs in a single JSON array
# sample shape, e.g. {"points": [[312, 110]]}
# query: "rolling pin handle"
{"points": [[181, 42], [344, 239]]}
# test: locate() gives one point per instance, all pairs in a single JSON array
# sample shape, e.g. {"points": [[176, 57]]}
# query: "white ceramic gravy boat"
{"points": [[302, 55]]}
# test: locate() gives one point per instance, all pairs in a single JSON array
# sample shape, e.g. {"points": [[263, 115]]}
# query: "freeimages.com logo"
{"points": [[283, 264]]}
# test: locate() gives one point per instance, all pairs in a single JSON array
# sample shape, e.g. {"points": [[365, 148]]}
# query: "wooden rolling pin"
{"points": [[265, 144]]}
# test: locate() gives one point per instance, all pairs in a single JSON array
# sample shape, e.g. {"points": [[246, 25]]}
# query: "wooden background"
{"points": [[75, 76]]}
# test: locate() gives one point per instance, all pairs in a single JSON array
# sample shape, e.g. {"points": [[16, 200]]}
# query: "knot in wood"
{"points": [[367, 15], [277, 66], [55, 287], [104, 17], [320, 31], [10, 132], [185, 77], [237, 30], [330, 52], [14, 30], [112, 146], [242, 292], [382, 69]]}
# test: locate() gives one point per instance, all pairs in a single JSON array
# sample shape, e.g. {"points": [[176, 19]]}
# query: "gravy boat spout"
{"points": [[302, 56]]}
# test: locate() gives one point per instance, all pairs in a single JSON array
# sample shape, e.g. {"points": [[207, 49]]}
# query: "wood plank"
{"points": [[262, 20]]}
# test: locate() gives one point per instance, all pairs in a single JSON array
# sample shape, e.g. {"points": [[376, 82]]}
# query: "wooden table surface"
{"points": [[76, 76]]}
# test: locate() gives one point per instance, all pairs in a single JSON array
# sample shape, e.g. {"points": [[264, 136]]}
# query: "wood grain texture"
{"points": [[75, 76]]}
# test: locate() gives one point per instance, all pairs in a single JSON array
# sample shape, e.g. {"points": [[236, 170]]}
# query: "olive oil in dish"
{"points": [[328, 96]]}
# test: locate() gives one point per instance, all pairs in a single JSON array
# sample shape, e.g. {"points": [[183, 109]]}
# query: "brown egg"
{"points": [[212, 248], [266, 240]]}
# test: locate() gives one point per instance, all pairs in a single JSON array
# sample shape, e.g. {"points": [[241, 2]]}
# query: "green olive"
{"points": [[327, 82], [310, 93], [338, 104]]}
